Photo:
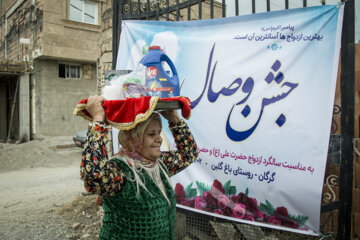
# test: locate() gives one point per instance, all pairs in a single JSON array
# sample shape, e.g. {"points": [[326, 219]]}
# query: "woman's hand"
{"points": [[95, 108], [171, 115]]}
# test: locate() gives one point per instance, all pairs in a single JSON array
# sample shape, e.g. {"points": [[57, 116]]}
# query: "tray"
{"points": [[167, 105]]}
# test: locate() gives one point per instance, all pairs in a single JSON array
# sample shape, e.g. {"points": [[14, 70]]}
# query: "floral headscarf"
{"points": [[131, 140]]}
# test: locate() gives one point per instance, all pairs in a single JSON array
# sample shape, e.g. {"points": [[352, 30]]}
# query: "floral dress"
{"points": [[104, 177]]}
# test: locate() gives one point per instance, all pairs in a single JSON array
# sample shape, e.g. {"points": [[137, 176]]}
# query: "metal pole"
{"points": [[347, 120], [115, 33]]}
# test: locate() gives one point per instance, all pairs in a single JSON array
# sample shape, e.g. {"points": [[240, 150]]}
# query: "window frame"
{"points": [[67, 72], [96, 12]]}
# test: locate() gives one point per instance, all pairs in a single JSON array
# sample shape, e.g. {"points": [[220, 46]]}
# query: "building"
{"points": [[53, 54], [53, 48]]}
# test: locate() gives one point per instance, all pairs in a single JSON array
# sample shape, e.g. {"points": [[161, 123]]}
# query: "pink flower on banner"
{"points": [[217, 186], [218, 211], [223, 201], [281, 211], [249, 218], [192, 202], [199, 203], [236, 198], [207, 209], [274, 220], [185, 202], [291, 224], [211, 200], [251, 204], [179, 193], [265, 217], [238, 211], [205, 195], [227, 212], [258, 215]]}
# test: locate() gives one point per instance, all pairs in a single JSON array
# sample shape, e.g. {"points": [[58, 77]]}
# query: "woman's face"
{"points": [[152, 141]]}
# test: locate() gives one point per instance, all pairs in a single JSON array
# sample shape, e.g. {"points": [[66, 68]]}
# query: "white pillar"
{"points": [[24, 108]]}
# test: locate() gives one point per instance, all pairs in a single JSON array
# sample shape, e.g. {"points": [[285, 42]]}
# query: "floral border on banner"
{"points": [[224, 200]]}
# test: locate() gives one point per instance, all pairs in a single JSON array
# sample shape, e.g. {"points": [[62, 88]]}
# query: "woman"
{"points": [[138, 198]]}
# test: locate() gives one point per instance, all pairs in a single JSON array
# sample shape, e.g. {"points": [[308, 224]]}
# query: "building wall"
{"points": [[40, 33], [66, 39], [56, 98], [23, 22]]}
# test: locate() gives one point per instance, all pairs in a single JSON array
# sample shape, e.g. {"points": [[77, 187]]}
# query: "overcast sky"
{"points": [[245, 8]]}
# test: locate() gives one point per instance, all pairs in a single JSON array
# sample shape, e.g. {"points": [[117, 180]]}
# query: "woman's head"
{"points": [[144, 139]]}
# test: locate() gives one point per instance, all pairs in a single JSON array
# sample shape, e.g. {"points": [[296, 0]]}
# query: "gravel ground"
{"points": [[42, 196]]}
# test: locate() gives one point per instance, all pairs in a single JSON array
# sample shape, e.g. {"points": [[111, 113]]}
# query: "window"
{"points": [[83, 11], [69, 71]]}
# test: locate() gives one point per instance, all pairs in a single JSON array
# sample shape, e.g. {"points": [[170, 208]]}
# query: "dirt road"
{"points": [[41, 194]]}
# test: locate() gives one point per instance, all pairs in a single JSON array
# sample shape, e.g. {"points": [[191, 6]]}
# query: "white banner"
{"points": [[262, 88]]}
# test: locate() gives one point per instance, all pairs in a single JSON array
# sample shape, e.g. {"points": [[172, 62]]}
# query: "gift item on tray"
{"points": [[131, 98], [155, 76], [127, 113], [131, 85]]}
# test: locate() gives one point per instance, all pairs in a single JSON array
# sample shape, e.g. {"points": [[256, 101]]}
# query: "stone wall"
{"points": [[23, 23], [104, 61]]}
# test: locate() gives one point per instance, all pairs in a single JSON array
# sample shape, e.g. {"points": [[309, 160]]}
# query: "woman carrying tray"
{"points": [[137, 196]]}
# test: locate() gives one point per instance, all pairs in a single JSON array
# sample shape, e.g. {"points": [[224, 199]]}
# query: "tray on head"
{"points": [[167, 105]]}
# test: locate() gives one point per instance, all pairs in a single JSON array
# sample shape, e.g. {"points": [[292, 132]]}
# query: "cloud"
{"points": [[136, 54], [167, 41]]}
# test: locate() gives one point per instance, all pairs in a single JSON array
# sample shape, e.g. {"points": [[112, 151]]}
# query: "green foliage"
{"points": [[202, 187], [193, 193], [188, 189], [246, 192], [190, 192], [229, 190], [267, 208], [232, 190], [299, 219], [227, 187]]}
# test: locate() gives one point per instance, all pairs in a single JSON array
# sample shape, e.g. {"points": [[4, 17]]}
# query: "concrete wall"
{"points": [[55, 99], [66, 39]]}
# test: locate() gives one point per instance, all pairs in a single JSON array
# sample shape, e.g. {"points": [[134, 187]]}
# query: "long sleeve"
{"points": [[100, 175], [186, 152]]}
